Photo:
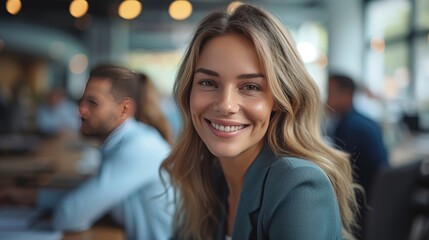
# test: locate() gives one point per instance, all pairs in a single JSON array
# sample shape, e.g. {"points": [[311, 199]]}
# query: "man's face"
{"points": [[338, 100], [99, 111]]}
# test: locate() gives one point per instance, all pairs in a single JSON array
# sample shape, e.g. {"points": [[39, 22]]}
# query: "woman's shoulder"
{"points": [[296, 179], [290, 164], [294, 171], [297, 192]]}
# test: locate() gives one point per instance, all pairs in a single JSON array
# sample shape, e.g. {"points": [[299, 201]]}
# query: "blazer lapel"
{"points": [[251, 194]]}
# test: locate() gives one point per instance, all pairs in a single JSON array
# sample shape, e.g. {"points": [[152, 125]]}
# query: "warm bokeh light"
{"points": [[232, 6], [78, 63], [180, 10], [129, 9], [78, 8], [322, 60], [13, 6], [377, 45]]}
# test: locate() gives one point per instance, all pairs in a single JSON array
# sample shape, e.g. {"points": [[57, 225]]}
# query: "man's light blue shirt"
{"points": [[127, 186]]}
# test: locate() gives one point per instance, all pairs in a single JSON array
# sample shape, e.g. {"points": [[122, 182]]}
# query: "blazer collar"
{"points": [[251, 194]]}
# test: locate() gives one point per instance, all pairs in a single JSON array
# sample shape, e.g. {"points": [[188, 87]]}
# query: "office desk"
{"points": [[54, 164], [54, 158], [413, 148], [97, 232]]}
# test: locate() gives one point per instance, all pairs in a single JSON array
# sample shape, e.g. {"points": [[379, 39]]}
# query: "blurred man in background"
{"points": [[355, 134], [127, 186]]}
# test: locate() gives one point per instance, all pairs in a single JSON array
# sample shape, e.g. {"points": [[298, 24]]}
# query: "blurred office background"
{"points": [[382, 44]]}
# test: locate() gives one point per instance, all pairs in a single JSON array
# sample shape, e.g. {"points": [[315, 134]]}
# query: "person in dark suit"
{"points": [[356, 134], [250, 162]]}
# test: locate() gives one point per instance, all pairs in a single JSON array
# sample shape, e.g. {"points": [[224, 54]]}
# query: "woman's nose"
{"points": [[227, 102]]}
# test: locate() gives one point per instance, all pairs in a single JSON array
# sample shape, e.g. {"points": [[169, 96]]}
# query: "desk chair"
{"points": [[399, 207]]}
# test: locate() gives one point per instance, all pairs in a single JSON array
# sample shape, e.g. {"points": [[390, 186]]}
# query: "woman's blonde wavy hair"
{"points": [[294, 128], [149, 108]]}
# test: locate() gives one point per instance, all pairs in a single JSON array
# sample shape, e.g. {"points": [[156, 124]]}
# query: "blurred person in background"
{"points": [[15, 106], [127, 186], [355, 134], [8, 104], [149, 108], [57, 114]]}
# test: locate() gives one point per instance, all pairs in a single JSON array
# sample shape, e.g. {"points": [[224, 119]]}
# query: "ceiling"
{"points": [[48, 25], [54, 13], [44, 29]]}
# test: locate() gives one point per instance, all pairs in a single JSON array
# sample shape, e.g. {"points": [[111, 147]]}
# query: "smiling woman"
{"points": [[229, 92], [250, 162]]}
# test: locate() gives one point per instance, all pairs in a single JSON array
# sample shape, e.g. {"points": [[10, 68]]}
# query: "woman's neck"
{"points": [[234, 170]]}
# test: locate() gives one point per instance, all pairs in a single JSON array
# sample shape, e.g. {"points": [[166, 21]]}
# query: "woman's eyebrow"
{"points": [[251, 75], [241, 76], [207, 71]]}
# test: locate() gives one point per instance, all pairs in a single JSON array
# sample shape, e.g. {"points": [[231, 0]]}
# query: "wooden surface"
{"points": [[97, 233]]}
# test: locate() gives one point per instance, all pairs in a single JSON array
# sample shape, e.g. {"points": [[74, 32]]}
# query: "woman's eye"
{"points": [[207, 83], [251, 87]]}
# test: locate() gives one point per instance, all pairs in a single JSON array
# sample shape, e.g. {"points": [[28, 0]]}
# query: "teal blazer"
{"points": [[283, 198]]}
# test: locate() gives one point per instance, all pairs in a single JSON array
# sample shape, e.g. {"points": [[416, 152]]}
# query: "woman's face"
{"points": [[230, 99]]}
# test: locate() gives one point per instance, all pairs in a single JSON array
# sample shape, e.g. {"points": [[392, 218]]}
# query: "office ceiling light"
{"points": [[232, 6], [129, 9], [180, 10], [13, 6], [78, 8], [78, 63], [308, 52]]}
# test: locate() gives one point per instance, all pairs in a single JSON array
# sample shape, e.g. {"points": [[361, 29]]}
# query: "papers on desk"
{"points": [[17, 218], [30, 235]]}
